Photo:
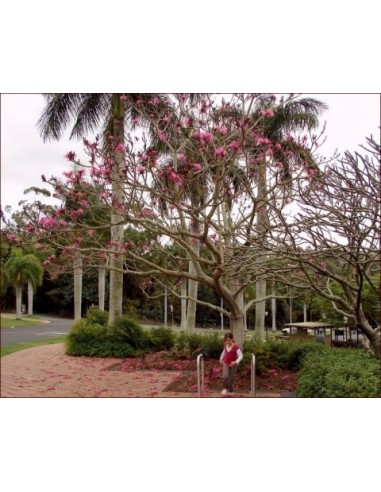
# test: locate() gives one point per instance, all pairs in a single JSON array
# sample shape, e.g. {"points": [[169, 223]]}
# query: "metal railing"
{"points": [[200, 374], [252, 388]]}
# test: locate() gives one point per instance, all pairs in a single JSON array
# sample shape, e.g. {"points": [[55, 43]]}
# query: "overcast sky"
{"points": [[24, 157]]}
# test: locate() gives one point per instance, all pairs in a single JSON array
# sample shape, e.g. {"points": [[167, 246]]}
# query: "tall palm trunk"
{"points": [[30, 298], [101, 286], [192, 293], [273, 307], [261, 285], [18, 289], [117, 229], [78, 273], [193, 284], [184, 303]]}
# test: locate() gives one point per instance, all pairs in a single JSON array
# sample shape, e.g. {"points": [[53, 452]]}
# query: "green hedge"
{"points": [[92, 337], [339, 373]]}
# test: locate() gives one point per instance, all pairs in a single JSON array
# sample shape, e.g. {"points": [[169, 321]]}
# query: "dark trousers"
{"points": [[228, 376]]}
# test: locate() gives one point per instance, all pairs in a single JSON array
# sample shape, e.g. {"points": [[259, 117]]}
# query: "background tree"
{"points": [[333, 241], [20, 269], [89, 111]]}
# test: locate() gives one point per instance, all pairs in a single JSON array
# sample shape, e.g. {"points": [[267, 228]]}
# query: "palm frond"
{"points": [[57, 114]]}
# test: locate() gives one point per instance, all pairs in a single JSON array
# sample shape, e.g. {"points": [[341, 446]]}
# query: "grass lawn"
{"points": [[10, 321], [9, 349]]}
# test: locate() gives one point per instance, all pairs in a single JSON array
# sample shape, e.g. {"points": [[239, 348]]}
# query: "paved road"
{"points": [[54, 327]]}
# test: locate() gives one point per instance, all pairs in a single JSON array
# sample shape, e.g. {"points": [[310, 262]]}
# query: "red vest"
{"points": [[231, 356]]}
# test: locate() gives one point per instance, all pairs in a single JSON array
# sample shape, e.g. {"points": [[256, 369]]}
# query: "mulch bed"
{"points": [[273, 380]]}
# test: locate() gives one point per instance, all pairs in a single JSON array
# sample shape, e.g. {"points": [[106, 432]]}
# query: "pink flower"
{"points": [[140, 169], [162, 137], [220, 152], [269, 112], [188, 121], [120, 147], [222, 130], [196, 166], [181, 157], [70, 156], [234, 145], [206, 136]]}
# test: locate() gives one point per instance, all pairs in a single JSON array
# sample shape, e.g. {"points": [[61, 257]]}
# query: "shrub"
{"points": [[190, 345], [339, 373], [298, 350], [95, 340], [268, 354], [126, 330], [160, 339], [95, 316]]}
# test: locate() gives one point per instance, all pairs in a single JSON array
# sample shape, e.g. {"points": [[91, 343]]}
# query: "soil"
{"points": [[272, 380]]}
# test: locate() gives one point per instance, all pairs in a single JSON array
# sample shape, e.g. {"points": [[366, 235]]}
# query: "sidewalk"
{"points": [[46, 372]]}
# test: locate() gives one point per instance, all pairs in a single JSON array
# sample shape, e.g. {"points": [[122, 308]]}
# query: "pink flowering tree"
{"points": [[90, 111], [206, 179]]}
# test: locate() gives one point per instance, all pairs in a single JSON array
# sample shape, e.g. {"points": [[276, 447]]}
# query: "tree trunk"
{"points": [[101, 287], [237, 317], [77, 287], [192, 293], [236, 327], [117, 229], [260, 309], [18, 290], [262, 221], [30, 298], [184, 303], [273, 308]]}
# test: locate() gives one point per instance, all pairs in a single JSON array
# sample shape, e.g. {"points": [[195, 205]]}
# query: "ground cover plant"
{"points": [[340, 373]]}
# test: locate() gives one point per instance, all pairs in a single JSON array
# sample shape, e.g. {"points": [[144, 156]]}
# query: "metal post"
{"points": [[200, 374], [253, 375]]}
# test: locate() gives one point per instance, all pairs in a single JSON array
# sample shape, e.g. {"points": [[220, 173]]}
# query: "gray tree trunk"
{"points": [[101, 287], [273, 308], [184, 303], [18, 290], [77, 287], [30, 298], [192, 293], [260, 310], [117, 228], [262, 220]]}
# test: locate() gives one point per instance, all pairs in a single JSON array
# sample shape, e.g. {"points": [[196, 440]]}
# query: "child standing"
{"points": [[230, 358]]}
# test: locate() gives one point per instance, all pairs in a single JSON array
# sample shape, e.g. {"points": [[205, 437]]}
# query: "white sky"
{"points": [[24, 156]]}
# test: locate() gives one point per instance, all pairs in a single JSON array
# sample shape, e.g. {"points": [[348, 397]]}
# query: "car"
{"points": [[288, 330]]}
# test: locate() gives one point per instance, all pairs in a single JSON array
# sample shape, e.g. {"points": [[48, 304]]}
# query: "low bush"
{"points": [[339, 373], [87, 338], [160, 339], [190, 345], [95, 316], [125, 330]]}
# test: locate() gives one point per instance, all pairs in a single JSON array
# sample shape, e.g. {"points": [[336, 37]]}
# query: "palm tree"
{"points": [[294, 115], [88, 112], [19, 269]]}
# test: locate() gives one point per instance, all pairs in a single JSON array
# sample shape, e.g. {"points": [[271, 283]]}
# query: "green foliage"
{"points": [[339, 373], [95, 340], [192, 344], [276, 355], [298, 351], [95, 316], [126, 330], [160, 339]]}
